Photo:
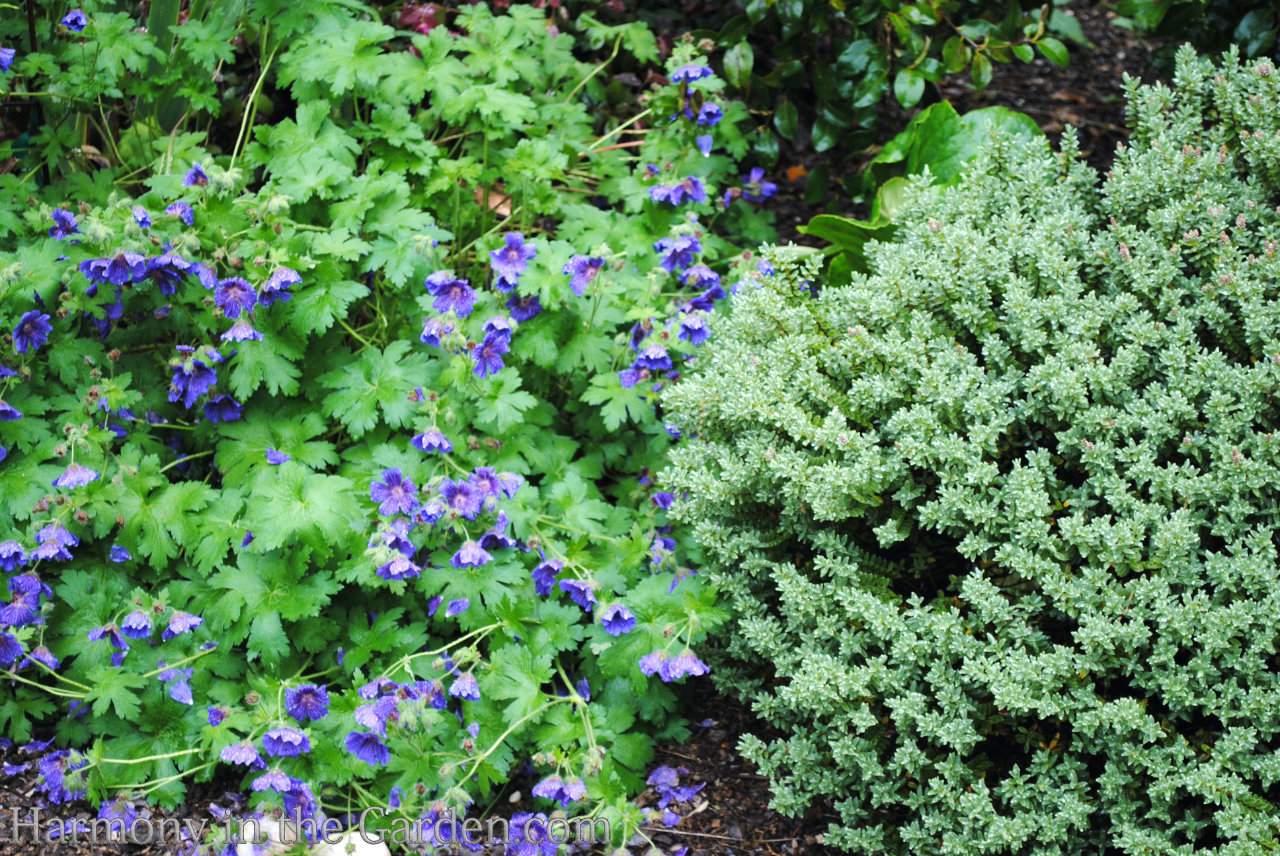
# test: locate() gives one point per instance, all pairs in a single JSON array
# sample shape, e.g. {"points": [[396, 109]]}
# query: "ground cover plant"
{"points": [[327, 401], [999, 513]]}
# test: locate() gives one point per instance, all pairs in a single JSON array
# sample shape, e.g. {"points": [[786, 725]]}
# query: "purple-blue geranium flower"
{"points": [[177, 679], [217, 715], [650, 664], [235, 295], [755, 187], [222, 408], [580, 591], [285, 742], [400, 567], [111, 633], [686, 663], [179, 623], [690, 72], [119, 554], [709, 114], [704, 143], [166, 271], [693, 327], [431, 440], [241, 331], [182, 211], [488, 353], [122, 268], [6, 59], [677, 253], [700, 276], [272, 780], [31, 332], [705, 301], [457, 607], [136, 625], [512, 259], [195, 177], [141, 217], [64, 224], [368, 748], [581, 270], [471, 555], [451, 294], [276, 458], [434, 330], [75, 475], [277, 286], [192, 378], [544, 575], [500, 325], [654, 358], [44, 656], [242, 753], [461, 497], [617, 619], [8, 412], [75, 21], [524, 308], [690, 186], [10, 649], [308, 701], [12, 555], [395, 494], [465, 687], [555, 788]]}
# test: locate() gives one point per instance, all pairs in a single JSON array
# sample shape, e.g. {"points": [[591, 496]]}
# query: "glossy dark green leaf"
{"points": [[1053, 50], [734, 31], [981, 71], [955, 54], [824, 135], [738, 62], [1066, 26], [816, 186], [1024, 52], [1256, 32], [857, 57], [908, 87], [787, 120], [766, 148], [780, 73]]}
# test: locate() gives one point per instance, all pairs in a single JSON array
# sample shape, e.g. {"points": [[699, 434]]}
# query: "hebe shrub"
{"points": [[997, 521]]}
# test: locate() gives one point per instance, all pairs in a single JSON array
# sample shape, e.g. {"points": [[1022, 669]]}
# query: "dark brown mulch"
{"points": [[730, 816]]}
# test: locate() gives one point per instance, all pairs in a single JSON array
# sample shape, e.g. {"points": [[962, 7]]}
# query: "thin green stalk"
{"points": [[617, 43], [190, 457], [251, 108]]}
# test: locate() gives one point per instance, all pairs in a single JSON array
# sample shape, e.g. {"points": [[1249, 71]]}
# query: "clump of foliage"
{"points": [[819, 72], [1000, 515], [1210, 25], [325, 440]]}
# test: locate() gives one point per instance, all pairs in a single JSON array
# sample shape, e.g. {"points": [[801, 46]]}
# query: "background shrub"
{"points": [[997, 521]]}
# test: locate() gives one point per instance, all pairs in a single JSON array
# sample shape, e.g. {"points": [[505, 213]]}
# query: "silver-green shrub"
{"points": [[998, 522]]}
